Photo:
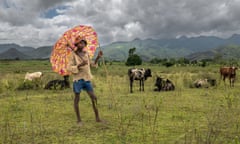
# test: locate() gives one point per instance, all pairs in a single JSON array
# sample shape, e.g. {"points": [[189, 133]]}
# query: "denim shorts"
{"points": [[82, 84]]}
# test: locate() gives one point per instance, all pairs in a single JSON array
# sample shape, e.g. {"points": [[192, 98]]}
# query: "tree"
{"points": [[131, 51], [133, 59], [168, 63]]}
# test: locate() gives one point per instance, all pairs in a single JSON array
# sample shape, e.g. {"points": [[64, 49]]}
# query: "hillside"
{"points": [[167, 48], [5, 47], [147, 48], [41, 52], [13, 54], [224, 52], [24, 52]]}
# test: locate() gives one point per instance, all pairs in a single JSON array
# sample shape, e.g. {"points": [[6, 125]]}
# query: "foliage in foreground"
{"points": [[186, 115]]}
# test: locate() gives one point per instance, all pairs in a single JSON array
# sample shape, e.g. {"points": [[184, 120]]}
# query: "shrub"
{"points": [[27, 85], [134, 60]]}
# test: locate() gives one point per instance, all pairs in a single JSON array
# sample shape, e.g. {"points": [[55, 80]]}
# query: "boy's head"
{"points": [[81, 44]]}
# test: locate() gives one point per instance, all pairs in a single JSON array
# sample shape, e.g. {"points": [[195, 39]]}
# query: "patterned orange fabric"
{"points": [[65, 44]]}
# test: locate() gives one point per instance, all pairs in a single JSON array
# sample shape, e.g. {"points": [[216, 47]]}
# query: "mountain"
{"points": [[224, 52], [40, 53], [13, 53], [193, 47], [167, 48], [5, 47], [147, 49]]}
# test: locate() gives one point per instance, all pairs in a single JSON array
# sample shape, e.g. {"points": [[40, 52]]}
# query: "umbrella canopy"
{"points": [[65, 44]]}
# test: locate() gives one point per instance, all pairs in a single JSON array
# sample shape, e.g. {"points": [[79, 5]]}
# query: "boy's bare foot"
{"points": [[98, 120], [101, 121], [80, 124]]}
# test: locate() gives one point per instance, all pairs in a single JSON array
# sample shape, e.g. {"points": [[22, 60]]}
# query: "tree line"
{"points": [[134, 59]]}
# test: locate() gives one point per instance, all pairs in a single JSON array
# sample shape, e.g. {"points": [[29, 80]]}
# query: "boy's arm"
{"points": [[100, 54], [72, 66]]}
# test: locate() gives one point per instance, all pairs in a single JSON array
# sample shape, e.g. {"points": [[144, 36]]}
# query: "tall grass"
{"points": [[186, 115]]}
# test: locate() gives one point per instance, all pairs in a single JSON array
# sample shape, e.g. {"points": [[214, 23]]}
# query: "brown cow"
{"points": [[229, 72]]}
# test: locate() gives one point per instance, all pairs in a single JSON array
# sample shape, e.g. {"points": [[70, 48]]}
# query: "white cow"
{"points": [[201, 83], [32, 76], [138, 74]]}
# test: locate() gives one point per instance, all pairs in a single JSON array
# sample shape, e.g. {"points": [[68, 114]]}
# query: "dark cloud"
{"points": [[159, 19], [24, 12], [116, 20]]}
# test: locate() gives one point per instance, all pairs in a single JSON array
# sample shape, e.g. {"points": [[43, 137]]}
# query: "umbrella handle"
{"points": [[97, 58]]}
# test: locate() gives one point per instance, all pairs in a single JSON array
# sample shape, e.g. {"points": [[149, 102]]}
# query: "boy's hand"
{"points": [[82, 64], [100, 53]]}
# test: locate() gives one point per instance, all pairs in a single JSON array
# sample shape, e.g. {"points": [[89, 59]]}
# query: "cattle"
{"points": [[212, 82], [199, 83], [164, 85], [33, 76], [169, 86], [138, 74], [53, 84], [230, 73], [204, 83]]}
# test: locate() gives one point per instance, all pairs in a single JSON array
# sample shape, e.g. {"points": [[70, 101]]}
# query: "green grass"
{"points": [[186, 115]]}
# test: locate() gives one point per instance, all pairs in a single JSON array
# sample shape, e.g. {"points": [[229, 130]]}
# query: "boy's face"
{"points": [[81, 45]]}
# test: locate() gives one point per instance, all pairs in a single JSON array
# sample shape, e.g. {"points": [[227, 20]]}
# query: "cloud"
{"points": [[41, 22]]}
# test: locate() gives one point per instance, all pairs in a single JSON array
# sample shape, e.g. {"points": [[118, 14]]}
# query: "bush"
{"points": [[7, 84], [134, 60], [168, 64], [27, 85]]}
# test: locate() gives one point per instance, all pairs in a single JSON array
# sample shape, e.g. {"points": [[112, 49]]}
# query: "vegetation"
{"points": [[133, 59], [194, 48], [186, 115], [186, 62]]}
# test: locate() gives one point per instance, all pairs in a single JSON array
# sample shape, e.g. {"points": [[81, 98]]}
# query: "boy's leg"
{"points": [[76, 106], [94, 104]]}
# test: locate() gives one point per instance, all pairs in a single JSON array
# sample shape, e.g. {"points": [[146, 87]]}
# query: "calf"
{"points": [[230, 73], [164, 85], [169, 86], [138, 74], [33, 76], [53, 84], [199, 83]]}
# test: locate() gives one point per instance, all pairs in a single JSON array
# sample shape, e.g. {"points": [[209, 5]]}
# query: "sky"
{"points": [[42, 22]]}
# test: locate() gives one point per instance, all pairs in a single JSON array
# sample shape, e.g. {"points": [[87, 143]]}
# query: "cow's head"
{"points": [[158, 81], [147, 73], [233, 70]]}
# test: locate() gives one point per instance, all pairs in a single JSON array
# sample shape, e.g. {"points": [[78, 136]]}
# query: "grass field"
{"points": [[186, 115]]}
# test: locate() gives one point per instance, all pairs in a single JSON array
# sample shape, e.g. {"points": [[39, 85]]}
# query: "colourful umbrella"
{"points": [[65, 44]]}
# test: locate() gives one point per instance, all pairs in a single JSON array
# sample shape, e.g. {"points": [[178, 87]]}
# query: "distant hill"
{"points": [[167, 48], [194, 48], [13, 54], [147, 49], [5, 47], [24, 52], [225, 52], [40, 53]]}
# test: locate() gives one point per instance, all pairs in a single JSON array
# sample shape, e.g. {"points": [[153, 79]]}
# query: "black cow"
{"points": [[53, 84], [164, 85], [138, 74]]}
